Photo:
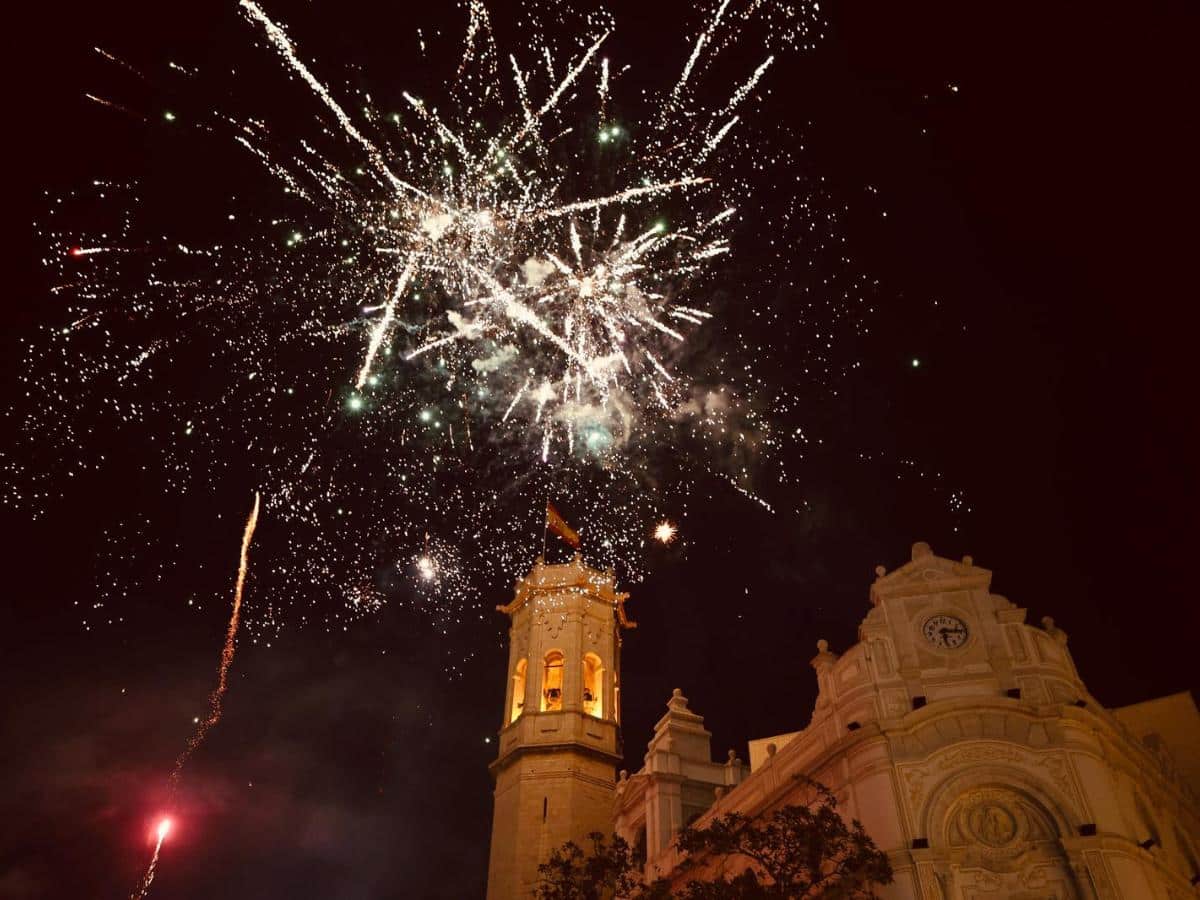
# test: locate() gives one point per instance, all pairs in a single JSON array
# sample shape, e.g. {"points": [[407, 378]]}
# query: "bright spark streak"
{"points": [[663, 328], [740, 94], [715, 140], [719, 217], [630, 194], [516, 397], [661, 371], [144, 885], [385, 321], [287, 50], [703, 39], [566, 83]]}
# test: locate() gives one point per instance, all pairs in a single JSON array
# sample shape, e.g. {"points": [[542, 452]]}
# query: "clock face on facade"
{"points": [[945, 632]]}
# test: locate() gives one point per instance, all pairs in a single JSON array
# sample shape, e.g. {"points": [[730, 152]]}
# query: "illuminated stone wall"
{"points": [[965, 741]]}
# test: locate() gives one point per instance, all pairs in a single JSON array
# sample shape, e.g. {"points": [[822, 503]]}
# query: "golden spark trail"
{"points": [[117, 106], [218, 694]]}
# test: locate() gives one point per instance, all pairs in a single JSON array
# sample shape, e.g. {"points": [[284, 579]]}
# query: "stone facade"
{"points": [[969, 747], [560, 736]]}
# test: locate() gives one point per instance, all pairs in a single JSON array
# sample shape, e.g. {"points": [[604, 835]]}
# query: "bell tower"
{"points": [[560, 738]]}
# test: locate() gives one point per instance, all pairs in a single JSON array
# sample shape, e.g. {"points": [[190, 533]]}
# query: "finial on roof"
{"points": [[880, 571], [1053, 630], [822, 646], [968, 560], [921, 549]]}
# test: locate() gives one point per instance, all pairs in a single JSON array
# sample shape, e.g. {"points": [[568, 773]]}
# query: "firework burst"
{"points": [[435, 315]]}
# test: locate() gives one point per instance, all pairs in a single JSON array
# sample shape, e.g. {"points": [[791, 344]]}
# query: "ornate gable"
{"points": [[928, 574]]}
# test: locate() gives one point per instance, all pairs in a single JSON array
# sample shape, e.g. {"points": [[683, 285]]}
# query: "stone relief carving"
{"points": [[1051, 880], [553, 622], [991, 823], [980, 753], [914, 780], [1060, 774], [1039, 876], [982, 880], [996, 825]]}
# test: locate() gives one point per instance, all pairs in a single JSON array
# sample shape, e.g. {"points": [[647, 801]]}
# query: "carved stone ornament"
{"points": [[980, 753], [995, 827], [991, 823], [552, 621], [914, 778], [983, 880]]}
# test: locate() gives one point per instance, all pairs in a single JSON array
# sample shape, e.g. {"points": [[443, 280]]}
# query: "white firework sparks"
{"points": [[486, 228], [442, 313]]}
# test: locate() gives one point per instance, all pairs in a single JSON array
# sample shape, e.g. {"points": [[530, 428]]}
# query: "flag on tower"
{"points": [[556, 523]]}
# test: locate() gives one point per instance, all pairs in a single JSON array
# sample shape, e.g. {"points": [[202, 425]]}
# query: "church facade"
{"points": [[962, 737]]}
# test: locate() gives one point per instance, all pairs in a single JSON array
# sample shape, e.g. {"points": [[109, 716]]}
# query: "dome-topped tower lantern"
{"points": [[560, 740]]}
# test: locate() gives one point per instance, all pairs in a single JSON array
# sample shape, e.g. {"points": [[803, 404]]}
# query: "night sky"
{"points": [[1019, 178]]}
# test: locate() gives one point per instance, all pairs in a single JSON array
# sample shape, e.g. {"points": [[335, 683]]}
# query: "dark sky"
{"points": [[1048, 205]]}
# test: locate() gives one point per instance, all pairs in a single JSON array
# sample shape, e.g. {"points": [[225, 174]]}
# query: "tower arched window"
{"points": [[552, 681], [593, 686], [518, 691]]}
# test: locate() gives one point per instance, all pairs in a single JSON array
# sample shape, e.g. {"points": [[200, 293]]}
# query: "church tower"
{"points": [[560, 739]]}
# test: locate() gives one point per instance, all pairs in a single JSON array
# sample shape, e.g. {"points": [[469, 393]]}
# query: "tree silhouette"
{"points": [[798, 852]]}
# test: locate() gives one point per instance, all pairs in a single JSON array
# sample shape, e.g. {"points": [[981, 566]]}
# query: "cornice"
{"points": [[575, 577], [559, 747]]}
